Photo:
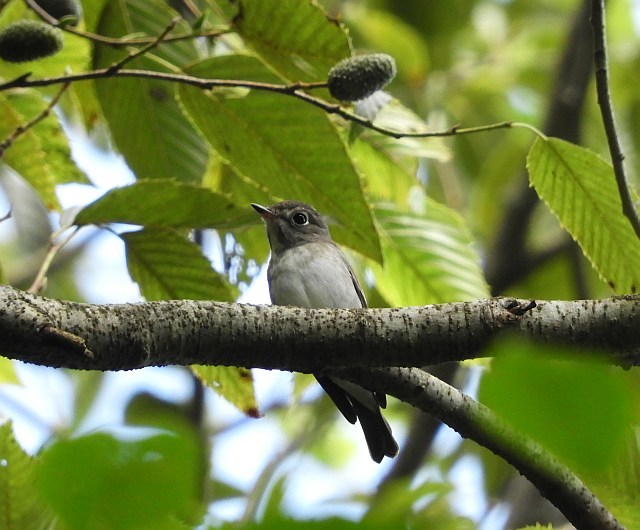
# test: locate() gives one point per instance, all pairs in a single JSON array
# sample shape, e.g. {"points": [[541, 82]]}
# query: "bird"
{"points": [[307, 269]]}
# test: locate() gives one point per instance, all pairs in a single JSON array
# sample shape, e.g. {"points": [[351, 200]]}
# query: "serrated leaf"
{"points": [[167, 266], [145, 121], [580, 189], [21, 508], [428, 258], [287, 148], [165, 203], [295, 38], [49, 132], [26, 155], [233, 384]]}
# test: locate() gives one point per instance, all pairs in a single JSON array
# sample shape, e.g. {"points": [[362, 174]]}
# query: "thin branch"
{"points": [[294, 90], [137, 53], [261, 483], [40, 281], [601, 63], [119, 41], [7, 142], [477, 422]]}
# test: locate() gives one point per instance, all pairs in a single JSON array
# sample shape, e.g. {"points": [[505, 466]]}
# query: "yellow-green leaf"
{"points": [[428, 258], [165, 202], [233, 384], [144, 119], [167, 266], [295, 38], [580, 189], [21, 508]]}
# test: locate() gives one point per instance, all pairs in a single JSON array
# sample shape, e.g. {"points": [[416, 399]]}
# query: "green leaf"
{"points": [[144, 118], [576, 406], [619, 486], [233, 384], [386, 32], [53, 139], [389, 168], [21, 508], [141, 482], [295, 38], [428, 258], [92, 9], [26, 154], [168, 266], [284, 146], [7, 370], [165, 203], [580, 189]]}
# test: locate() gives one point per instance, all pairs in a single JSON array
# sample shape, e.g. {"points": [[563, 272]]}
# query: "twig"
{"points": [[137, 53], [119, 41], [7, 142], [601, 63], [256, 495], [294, 90], [40, 281], [7, 216]]}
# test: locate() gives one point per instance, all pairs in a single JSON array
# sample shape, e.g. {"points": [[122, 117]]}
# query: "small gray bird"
{"points": [[307, 269]]}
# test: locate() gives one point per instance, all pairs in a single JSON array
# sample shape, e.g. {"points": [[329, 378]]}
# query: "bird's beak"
{"points": [[264, 212]]}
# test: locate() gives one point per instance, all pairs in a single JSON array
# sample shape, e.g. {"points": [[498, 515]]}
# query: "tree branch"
{"points": [[475, 421], [350, 341], [606, 110], [183, 332], [295, 90]]}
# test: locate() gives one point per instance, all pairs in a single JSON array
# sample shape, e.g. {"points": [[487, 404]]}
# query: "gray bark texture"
{"points": [[56, 333]]}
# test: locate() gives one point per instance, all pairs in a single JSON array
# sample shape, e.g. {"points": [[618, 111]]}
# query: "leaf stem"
{"points": [[40, 281]]}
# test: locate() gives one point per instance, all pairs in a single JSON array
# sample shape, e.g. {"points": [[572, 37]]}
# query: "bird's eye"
{"points": [[300, 218]]}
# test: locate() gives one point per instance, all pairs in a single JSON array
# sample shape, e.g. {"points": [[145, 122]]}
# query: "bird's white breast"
{"points": [[312, 275]]}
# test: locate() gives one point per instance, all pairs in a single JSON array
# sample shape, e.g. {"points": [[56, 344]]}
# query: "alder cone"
{"points": [[28, 40], [360, 76]]}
